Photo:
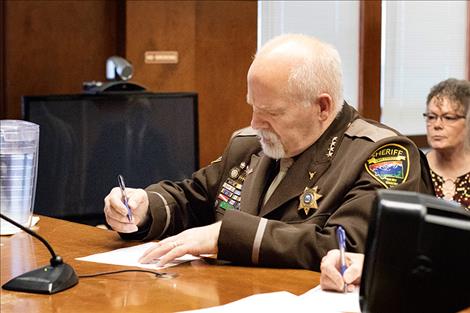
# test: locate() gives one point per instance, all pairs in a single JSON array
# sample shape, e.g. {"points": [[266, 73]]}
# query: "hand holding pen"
{"points": [[341, 271], [126, 209]]}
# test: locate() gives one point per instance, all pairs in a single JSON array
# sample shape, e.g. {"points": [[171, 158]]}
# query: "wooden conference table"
{"points": [[198, 285]]}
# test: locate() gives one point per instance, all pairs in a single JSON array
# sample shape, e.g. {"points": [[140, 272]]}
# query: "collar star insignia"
{"points": [[311, 174], [331, 149], [308, 199]]}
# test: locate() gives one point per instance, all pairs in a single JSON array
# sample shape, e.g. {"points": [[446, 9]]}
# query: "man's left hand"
{"points": [[195, 241]]}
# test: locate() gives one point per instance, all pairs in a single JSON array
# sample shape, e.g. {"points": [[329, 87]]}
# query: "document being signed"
{"points": [[130, 257], [314, 300]]}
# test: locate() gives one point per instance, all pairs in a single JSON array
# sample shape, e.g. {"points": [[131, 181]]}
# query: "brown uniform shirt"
{"points": [[331, 183]]}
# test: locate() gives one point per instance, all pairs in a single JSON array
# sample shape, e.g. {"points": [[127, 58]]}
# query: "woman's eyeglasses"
{"points": [[446, 119]]}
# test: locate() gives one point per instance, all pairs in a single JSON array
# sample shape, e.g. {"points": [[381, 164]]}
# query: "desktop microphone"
{"points": [[48, 279]]}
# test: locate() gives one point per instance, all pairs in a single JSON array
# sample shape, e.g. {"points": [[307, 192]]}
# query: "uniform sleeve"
{"points": [[252, 240], [176, 206]]}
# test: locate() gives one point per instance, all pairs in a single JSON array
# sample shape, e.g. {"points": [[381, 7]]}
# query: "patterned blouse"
{"points": [[458, 190]]}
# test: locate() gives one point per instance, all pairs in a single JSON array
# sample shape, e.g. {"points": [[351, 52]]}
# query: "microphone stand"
{"points": [[49, 279]]}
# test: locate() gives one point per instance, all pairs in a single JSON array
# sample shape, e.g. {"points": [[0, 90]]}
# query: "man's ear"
{"points": [[325, 103]]}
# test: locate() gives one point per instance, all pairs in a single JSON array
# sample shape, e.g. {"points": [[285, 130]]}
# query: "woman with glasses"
{"points": [[447, 123]]}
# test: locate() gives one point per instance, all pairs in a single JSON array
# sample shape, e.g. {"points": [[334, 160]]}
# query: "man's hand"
{"points": [[331, 278], [195, 241], [116, 212]]}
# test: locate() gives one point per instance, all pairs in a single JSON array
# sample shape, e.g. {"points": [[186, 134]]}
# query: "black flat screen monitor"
{"points": [[87, 140], [417, 255]]}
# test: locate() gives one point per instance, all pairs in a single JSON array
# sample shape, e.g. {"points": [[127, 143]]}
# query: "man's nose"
{"points": [[257, 122]]}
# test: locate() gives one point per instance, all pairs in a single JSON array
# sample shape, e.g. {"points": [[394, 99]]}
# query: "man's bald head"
{"points": [[303, 66]]}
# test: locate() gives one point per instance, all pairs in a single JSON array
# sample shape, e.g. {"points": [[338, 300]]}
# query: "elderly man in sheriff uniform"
{"points": [[275, 197]]}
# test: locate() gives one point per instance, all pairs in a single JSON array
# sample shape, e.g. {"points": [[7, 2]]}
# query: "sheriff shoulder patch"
{"points": [[389, 165]]}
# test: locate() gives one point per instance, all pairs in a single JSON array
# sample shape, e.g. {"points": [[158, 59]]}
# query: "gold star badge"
{"points": [[308, 199]]}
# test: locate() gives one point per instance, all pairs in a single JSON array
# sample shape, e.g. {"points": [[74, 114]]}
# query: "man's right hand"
{"points": [[116, 212]]}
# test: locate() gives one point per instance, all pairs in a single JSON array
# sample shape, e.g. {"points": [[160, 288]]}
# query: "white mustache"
{"points": [[267, 136], [271, 144]]}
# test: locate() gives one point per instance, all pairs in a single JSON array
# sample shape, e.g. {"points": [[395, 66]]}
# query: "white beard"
{"points": [[271, 144]]}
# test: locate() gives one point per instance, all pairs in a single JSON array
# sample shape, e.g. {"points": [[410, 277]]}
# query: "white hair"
{"points": [[318, 70]]}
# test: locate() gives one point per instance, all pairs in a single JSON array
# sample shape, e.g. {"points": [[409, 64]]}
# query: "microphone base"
{"points": [[46, 280]]}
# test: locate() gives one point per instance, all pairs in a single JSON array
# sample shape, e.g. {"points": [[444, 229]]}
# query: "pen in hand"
{"points": [[122, 185], [341, 237]]}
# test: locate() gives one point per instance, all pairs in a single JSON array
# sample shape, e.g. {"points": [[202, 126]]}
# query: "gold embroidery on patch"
{"points": [[389, 165]]}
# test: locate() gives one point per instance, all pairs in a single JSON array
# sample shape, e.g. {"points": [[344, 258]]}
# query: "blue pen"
{"points": [[122, 185], [341, 236]]}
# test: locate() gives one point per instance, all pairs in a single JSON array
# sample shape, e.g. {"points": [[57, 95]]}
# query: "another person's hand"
{"points": [[331, 278], [195, 241], [116, 212]]}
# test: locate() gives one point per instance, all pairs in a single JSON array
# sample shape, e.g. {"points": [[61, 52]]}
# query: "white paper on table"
{"points": [[328, 302], [130, 257], [6, 231], [280, 301], [314, 300]]}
